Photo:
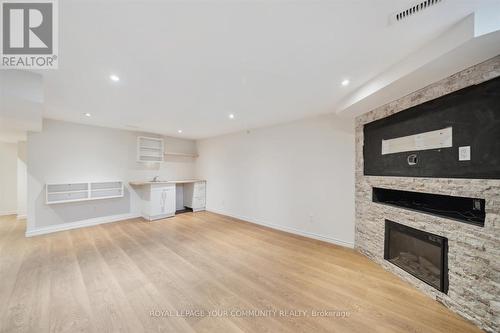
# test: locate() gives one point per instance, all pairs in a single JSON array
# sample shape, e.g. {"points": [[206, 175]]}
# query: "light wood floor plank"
{"points": [[197, 289], [292, 286], [28, 304], [69, 302], [138, 289], [235, 269], [253, 295], [109, 278], [380, 288], [11, 257], [110, 308], [314, 272], [164, 268]]}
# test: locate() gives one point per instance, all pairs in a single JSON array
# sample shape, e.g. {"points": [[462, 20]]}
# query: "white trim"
{"points": [[80, 224], [13, 212], [287, 229], [21, 217], [157, 217]]}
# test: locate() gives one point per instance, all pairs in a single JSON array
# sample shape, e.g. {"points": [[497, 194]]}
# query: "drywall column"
{"points": [[8, 178], [22, 181]]}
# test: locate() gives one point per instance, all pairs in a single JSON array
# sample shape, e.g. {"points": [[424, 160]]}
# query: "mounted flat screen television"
{"points": [[453, 136]]}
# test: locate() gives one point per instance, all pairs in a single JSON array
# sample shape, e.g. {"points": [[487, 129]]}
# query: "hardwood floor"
{"points": [[110, 278]]}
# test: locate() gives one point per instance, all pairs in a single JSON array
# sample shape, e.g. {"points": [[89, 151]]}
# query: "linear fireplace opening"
{"points": [[422, 254], [462, 209]]}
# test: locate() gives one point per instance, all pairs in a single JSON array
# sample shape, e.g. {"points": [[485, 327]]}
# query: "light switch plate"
{"points": [[464, 153]]}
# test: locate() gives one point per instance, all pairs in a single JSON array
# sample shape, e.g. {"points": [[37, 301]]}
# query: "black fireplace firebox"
{"points": [[422, 254]]}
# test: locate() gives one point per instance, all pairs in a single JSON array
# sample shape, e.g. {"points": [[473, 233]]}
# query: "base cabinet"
{"points": [[159, 202], [195, 196]]}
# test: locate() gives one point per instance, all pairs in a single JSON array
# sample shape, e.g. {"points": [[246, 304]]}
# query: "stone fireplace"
{"points": [[470, 284]]}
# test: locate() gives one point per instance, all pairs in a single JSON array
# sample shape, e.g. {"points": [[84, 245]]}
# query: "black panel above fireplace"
{"points": [[422, 254], [462, 209], [472, 114]]}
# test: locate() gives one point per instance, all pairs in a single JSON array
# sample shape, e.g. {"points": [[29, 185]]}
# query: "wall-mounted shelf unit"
{"points": [[150, 149], [75, 192], [193, 155]]}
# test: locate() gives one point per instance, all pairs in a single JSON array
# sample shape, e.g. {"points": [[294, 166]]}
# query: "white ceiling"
{"points": [[187, 65]]}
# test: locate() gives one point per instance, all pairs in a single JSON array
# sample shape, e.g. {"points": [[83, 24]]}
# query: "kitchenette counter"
{"points": [[184, 181]]}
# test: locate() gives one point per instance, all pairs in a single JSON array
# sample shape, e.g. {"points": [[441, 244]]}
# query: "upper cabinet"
{"points": [[150, 149]]}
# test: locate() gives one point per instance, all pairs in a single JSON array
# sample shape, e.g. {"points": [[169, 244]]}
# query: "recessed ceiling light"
{"points": [[87, 114], [345, 82], [179, 131], [114, 78], [231, 116]]}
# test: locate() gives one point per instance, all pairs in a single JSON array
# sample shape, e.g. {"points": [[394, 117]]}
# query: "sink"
{"points": [[156, 180]]}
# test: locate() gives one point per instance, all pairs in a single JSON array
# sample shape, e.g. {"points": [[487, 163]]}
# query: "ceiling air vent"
{"points": [[412, 10]]}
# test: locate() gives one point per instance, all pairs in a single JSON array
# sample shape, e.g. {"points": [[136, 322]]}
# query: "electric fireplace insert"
{"points": [[422, 254]]}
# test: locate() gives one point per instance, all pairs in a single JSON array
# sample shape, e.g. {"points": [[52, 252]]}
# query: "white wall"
{"points": [[297, 177], [8, 178], [67, 152], [22, 181]]}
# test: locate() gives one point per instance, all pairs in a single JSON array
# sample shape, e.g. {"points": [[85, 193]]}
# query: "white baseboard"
{"points": [[80, 224], [8, 213], [21, 217], [287, 229]]}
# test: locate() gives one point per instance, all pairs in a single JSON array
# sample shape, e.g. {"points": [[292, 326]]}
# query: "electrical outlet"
{"points": [[477, 204], [464, 153]]}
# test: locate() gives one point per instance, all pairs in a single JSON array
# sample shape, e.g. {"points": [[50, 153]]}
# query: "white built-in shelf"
{"points": [[75, 192], [149, 149], [193, 155]]}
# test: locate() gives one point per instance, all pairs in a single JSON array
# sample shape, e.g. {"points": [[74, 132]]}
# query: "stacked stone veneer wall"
{"points": [[474, 252]]}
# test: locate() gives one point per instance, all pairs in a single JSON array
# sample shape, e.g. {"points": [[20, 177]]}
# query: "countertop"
{"points": [[184, 181]]}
